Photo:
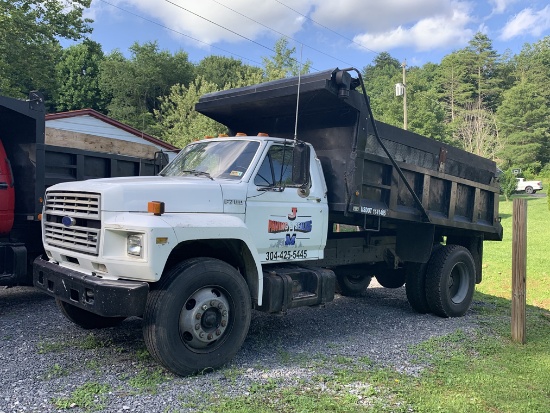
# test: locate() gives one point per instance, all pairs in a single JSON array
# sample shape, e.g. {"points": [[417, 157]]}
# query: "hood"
{"points": [[179, 194]]}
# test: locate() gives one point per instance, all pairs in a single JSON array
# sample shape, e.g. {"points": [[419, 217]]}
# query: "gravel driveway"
{"points": [[44, 358]]}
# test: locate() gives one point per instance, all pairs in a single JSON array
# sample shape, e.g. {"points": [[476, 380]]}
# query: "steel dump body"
{"points": [[458, 190], [36, 166]]}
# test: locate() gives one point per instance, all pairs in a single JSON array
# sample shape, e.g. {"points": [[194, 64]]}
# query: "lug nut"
{"points": [[198, 316], [223, 323], [220, 306], [205, 307], [218, 332], [224, 313], [209, 337], [201, 335], [197, 326], [212, 303]]}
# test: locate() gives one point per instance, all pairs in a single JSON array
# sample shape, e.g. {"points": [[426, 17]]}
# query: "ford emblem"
{"points": [[68, 221]]}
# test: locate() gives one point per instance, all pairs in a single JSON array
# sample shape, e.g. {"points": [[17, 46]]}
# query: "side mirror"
{"points": [[300, 164]]}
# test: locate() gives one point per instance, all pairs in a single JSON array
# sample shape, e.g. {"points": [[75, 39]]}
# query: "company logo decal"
{"points": [[292, 215], [292, 228]]}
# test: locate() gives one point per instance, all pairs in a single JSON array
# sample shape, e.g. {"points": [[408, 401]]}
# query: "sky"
{"points": [[338, 33]]}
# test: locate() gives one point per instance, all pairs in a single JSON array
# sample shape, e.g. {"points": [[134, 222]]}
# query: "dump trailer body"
{"points": [[36, 166], [457, 191]]}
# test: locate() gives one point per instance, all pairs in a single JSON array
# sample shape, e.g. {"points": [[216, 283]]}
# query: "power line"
{"points": [[327, 28], [280, 33], [219, 25], [178, 32]]}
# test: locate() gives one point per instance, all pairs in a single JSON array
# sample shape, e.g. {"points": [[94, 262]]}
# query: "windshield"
{"points": [[215, 159]]}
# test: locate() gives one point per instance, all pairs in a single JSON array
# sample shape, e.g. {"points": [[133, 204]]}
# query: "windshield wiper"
{"points": [[197, 173]]}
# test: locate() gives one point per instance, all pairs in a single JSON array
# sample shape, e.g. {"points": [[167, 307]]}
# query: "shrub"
{"points": [[508, 184]]}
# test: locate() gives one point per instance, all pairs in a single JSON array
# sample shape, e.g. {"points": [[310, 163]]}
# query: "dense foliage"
{"points": [[496, 106]]}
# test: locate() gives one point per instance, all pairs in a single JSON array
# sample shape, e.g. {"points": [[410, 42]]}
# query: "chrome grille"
{"points": [[76, 205], [72, 220]]}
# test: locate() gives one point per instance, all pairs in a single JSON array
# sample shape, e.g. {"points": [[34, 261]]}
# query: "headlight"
{"points": [[134, 245]]}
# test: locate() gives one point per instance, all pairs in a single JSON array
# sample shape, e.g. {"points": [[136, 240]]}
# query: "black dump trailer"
{"points": [[34, 167], [396, 187]]}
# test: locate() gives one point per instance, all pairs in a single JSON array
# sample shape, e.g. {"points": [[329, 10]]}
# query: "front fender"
{"points": [[190, 227]]}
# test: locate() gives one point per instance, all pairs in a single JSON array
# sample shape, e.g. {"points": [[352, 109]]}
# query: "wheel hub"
{"points": [[458, 283], [204, 317]]}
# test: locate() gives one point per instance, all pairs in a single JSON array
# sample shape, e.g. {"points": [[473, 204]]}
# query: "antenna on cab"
{"points": [[298, 94]]}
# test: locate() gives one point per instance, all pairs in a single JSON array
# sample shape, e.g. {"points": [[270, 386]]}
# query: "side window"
{"points": [[276, 166], [264, 177]]}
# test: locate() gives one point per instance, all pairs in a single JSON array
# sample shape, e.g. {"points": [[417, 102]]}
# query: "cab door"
{"points": [[288, 222]]}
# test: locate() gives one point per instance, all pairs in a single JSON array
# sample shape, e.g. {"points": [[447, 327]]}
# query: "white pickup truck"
{"points": [[529, 187], [247, 222]]}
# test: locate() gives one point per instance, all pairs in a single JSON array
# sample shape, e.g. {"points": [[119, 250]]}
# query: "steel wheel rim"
{"points": [[204, 319], [459, 283]]}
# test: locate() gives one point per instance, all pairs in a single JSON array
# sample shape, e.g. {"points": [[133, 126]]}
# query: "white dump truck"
{"points": [[248, 222]]}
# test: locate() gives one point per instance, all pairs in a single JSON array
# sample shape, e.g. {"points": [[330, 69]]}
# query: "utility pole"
{"points": [[404, 65], [401, 90]]}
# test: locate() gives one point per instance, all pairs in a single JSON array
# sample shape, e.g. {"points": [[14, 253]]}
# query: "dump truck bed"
{"points": [[457, 190]]}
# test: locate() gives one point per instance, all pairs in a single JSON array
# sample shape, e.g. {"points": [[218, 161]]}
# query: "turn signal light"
{"points": [[241, 134], [155, 207], [263, 134]]}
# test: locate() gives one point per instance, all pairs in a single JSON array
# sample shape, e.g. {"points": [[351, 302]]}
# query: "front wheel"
{"points": [[450, 281], [86, 319], [198, 316]]}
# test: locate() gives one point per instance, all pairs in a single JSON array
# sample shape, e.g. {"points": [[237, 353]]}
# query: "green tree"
{"points": [[380, 79], [483, 71], [78, 77], [133, 86], [180, 122], [227, 71], [524, 119], [283, 63], [452, 83], [29, 41], [425, 114]]}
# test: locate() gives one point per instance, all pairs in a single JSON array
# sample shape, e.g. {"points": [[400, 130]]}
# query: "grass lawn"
{"points": [[479, 371], [497, 267]]}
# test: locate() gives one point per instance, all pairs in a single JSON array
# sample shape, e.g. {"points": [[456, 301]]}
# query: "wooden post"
{"points": [[519, 268]]}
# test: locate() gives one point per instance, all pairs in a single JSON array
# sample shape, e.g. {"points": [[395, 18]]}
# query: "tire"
{"points": [[529, 190], [352, 281], [450, 281], [534, 192], [86, 319], [198, 316], [391, 278], [415, 287]]}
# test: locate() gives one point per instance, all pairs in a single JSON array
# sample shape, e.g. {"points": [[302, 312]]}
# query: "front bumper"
{"points": [[109, 298]]}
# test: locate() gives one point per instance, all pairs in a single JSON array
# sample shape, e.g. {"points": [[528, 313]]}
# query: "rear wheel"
{"points": [[450, 281], [391, 278], [416, 287], [86, 319], [529, 190], [198, 317], [352, 281]]}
